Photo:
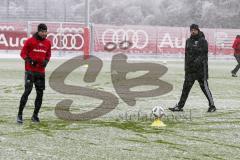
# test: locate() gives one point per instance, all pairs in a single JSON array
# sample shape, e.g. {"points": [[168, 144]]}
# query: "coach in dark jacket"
{"points": [[196, 68], [196, 57]]}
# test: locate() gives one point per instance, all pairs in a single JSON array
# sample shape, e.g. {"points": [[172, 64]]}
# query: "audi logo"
{"points": [[67, 41], [66, 29], [7, 28], [138, 38]]}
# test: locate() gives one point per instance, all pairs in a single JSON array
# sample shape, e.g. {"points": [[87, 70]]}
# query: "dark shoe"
{"points": [[176, 109], [234, 74], [35, 119], [212, 109], [19, 119]]}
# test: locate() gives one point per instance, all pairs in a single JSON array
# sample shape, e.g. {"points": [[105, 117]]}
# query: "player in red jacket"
{"points": [[236, 47], [36, 53]]}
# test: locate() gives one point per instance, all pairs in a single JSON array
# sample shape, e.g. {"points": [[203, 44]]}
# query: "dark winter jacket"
{"points": [[196, 58]]}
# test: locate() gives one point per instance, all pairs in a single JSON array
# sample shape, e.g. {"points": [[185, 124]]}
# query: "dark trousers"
{"points": [[38, 79], [187, 87], [235, 70]]}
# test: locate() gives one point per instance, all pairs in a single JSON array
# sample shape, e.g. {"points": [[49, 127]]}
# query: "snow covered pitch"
{"points": [[124, 133]]}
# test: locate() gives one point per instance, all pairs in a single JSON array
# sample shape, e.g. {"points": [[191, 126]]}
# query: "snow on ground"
{"points": [[124, 133]]}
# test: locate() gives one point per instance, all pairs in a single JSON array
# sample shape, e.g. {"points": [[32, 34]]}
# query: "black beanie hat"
{"points": [[42, 27], [194, 26]]}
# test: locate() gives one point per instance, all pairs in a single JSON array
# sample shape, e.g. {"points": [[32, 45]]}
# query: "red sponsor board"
{"points": [[64, 36], [171, 40], [107, 38], [12, 40], [160, 40], [142, 39]]}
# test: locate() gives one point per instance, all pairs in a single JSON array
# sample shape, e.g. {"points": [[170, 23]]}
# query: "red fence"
{"points": [[141, 39]]}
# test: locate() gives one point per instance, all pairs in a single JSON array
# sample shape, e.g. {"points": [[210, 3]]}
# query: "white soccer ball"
{"points": [[158, 112]]}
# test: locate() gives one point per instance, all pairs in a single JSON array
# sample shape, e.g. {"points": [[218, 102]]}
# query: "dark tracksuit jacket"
{"points": [[196, 67], [196, 58]]}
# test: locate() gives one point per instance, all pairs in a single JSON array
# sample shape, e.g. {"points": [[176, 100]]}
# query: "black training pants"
{"points": [[187, 87], [235, 70], [38, 79]]}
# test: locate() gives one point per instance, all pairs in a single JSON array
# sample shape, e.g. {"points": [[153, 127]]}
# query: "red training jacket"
{"points": [[236, 46], [38, 50]]}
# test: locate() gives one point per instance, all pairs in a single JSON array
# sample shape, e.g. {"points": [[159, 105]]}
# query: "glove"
{"points": [[44, 64], [31, 62]]}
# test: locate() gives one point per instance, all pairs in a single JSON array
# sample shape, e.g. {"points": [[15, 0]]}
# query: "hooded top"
{"points": [[196, 57]]}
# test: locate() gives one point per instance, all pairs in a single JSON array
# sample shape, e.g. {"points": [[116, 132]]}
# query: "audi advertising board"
{"points": [[64, 36], [127, 39], [142, 39], [160, 40]]}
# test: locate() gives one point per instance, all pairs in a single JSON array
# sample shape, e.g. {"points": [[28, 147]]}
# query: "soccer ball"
{"points": [[158, 112]]}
